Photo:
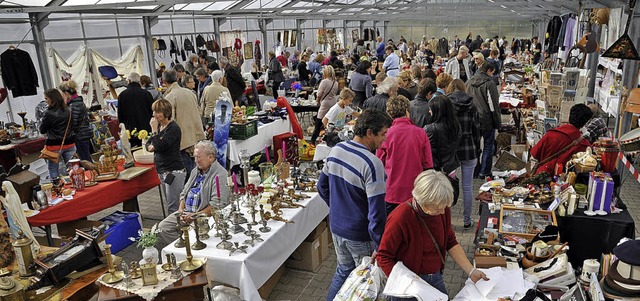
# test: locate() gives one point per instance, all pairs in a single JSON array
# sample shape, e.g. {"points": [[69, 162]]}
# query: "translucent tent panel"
{"points": [[183, 25], [252, 24], [335, 23], [329, 10], [197, 6], [266, 4], [162, 28], [225, 25], [298, 11], [238, 24], [130, 27], [112, 1], [79, 2], [151, 7], [221, 5], [108, 48], [204, 25], [306, 4], [99, 28], [28, 2], [15, 32], [63, 29], [14, 15]]}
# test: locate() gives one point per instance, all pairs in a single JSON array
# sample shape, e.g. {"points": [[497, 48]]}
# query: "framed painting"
{"points": [[248, 51]]}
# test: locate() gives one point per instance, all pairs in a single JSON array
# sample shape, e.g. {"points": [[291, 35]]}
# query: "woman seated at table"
{"points": [[165, 143], [419, 232], [198, 191]]}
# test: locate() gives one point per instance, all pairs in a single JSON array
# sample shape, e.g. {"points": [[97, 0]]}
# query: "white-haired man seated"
{"points": [[199, 189]]}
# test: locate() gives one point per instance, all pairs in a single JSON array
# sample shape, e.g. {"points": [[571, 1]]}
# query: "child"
{"points": [[337, 115]]}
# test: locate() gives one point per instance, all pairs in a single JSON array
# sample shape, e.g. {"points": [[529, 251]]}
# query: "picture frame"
{"points": [[248, 51], [550, 123], [555, 79], [294, 38], [525, 222], [355, 35], [285, 39], [571, 79]]}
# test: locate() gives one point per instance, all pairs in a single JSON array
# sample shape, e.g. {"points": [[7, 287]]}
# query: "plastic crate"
{"points": [[120, 226], [243, 131]]}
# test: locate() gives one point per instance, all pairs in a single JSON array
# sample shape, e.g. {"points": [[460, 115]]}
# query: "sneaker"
{"points": [[468, 226]]}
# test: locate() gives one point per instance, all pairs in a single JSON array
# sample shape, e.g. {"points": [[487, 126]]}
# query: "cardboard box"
{"points": [[267, 287], [68, 229], [324, 245], [306, 256], [317, 231], [601, 191], [485, 262]]}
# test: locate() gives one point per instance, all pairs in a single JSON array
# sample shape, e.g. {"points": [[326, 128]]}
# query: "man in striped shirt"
{"points": [[353, 185]]}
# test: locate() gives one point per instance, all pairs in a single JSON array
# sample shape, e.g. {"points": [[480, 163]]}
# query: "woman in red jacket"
{"points": [[419, 233], [405, 153]]}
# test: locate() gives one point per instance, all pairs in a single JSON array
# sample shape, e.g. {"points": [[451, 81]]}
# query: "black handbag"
{"points": [[188, 46], [172, 48], [162, 45], [200, 41]]}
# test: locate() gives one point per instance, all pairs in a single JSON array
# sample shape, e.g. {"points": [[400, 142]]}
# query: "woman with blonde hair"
{"points": [[406, 86], [419, 233], [80, 123], [326, 98], [442, 82], [469, 144]]}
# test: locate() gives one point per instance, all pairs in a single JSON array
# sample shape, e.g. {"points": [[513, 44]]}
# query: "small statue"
{"points": [[126, 146]]}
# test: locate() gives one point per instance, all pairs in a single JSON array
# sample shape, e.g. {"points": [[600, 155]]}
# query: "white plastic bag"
{"points": [[404, 283], [365, 283]]}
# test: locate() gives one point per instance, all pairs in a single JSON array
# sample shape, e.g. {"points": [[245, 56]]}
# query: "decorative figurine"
{"points": [[237, 248]]}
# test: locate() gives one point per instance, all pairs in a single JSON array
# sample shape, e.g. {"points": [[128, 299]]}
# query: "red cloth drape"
{"points": [[295, 125]]}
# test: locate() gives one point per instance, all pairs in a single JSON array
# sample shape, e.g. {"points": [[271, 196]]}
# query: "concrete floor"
{"points": [[303, 285]]}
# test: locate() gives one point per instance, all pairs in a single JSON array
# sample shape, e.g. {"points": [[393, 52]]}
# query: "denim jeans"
{"points": [[434, 280], [488, 141], [172, 191], [66, 155], [467, 167], [83, 148], [349, 254]]}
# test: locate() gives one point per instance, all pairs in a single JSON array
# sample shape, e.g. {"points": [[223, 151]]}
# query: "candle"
{"points": [[266, 151], [235, 183], [217, 186], [284, 150]]}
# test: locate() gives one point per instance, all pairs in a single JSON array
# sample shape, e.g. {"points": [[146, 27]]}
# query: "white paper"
{"points": [[495, 276], [402, 282], [511, 284]]}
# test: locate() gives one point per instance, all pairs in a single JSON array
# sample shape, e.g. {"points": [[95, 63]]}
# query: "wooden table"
{"points": [[189, 288]]}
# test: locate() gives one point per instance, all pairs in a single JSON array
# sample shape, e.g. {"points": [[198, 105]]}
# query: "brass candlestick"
{"points": [[180, 242], [112, 276], [190, 264], [168, 266]]}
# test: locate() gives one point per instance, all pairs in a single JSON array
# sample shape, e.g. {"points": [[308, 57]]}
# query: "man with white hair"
{"points": [[199, 191], [134, 107], [458, 67], [388, 88], [212, 93], [235, 81]]}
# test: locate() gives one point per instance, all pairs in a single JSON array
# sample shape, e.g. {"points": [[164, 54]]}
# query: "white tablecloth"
{"points": [[257, 143], [250, 271], [322, 152]]}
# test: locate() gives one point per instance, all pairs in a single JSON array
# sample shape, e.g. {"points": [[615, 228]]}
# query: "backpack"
{"points": [[173, 49], [188, 46], [162, 46], [200, 41]]}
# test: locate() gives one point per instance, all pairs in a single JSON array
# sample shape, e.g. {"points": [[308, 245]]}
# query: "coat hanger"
{"points": [[11, 47]]}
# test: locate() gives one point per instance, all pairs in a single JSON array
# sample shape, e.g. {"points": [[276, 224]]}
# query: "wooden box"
{"points": [[524, 222], [23, 183]]}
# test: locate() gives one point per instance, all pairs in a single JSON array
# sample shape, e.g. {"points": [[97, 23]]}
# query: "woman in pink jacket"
{"points": [[405, 153]]}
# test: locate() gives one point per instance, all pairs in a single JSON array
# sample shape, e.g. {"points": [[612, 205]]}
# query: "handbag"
{"points": [[51, 155]]}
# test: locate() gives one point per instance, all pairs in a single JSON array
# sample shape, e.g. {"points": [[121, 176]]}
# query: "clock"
{"points": [[149, 274]]}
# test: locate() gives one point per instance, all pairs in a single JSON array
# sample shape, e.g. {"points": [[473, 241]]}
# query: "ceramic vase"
{"points": [[76, 174], [150, 255]]}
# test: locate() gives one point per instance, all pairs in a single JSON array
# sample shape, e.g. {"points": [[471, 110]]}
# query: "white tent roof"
{"points": [[377, 10]]}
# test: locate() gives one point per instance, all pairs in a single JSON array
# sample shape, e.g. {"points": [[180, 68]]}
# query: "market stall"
{"points": [[248, 270]]}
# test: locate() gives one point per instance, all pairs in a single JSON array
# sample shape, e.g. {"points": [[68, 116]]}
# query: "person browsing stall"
{"points": [[199, 190], [352, 183], [337, 115], [419, 233], [391, 62], [567, 137]]}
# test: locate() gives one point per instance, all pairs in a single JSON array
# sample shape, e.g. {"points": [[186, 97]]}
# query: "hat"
{"points": [[628, 252], [625, 273], [3, 94], [162, 65]]}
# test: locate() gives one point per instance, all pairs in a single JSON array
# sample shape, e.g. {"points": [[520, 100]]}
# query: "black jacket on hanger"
{"points": [[18, 72], [442, 48], [553, 29]]}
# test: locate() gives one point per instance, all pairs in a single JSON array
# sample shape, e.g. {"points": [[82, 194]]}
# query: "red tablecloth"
{"points": [[95, 199]]}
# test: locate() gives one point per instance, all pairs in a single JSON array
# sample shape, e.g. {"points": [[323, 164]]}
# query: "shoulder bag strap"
{"points": [[428, 231], [67, 129], [325, 96], [566, 148]]}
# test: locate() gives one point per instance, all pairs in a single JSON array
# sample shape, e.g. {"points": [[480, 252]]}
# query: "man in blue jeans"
{"points": [[353, 185], [486, 100]]}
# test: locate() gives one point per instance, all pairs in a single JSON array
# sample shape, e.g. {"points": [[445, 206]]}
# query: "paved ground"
{"points": [[303, 285]]}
